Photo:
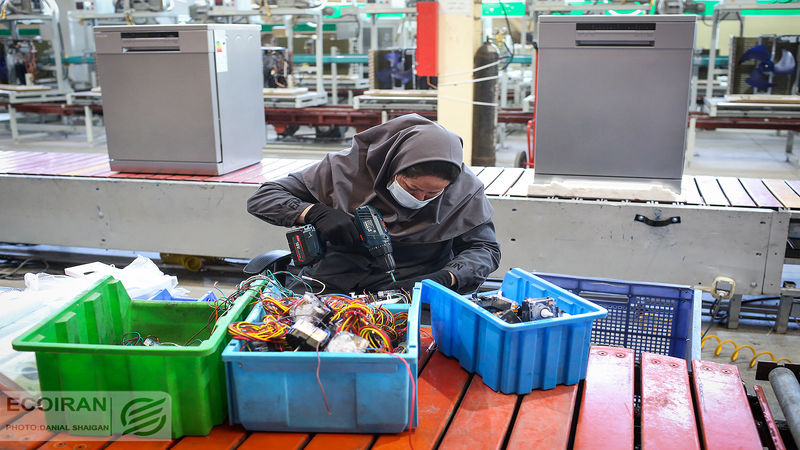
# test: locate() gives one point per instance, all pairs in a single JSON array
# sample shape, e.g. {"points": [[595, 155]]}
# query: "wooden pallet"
{"points": [[457, 410]]}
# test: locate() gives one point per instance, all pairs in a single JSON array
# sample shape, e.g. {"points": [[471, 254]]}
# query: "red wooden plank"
{"points": [[545, 418], [760, 194], [241, 174], [131, 175], [263, 165], [735, 192], [711, 192], [188, 177], [130, 442], [340, 441], [725, 415], [482, 409], [65, 441], [426, 346], [774, 433], [667, 413], [440, 386], [276, 441], [221, 437], [606, 410], [26, 432]]}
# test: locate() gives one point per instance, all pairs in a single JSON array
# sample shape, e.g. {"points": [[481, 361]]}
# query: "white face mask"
{"points": [[405, 199]]}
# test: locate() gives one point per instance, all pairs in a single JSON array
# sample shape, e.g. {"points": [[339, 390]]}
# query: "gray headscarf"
{"points": [[359, 176]]}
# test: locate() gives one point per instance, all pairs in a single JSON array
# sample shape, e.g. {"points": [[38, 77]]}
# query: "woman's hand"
{"points": [[335, 225], [443, 277]]}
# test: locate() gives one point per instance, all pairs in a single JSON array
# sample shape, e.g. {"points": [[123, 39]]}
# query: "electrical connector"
{"points": [[538, 308], [509, 316], [311, 308], [304, 334]]}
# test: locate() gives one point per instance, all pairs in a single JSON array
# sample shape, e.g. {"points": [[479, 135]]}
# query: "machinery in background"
{"points": [[764, 65], [394, 83], [31, 69], [198, 105], [277, 67], [33, 48], [122, 6], [763, 81], [396, 69]]}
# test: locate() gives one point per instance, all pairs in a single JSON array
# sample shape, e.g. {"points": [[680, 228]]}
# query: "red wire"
{"points": [[324, 397], [413, 396]]}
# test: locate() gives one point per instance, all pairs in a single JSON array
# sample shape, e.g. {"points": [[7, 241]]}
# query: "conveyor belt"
{"points": [[513, 182]]}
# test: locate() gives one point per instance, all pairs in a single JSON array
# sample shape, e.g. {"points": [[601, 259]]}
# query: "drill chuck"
{"points": [[386, 262]]}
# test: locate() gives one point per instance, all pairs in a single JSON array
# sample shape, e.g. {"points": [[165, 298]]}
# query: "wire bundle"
{"points": [[383, 330], [134, 338], [220, 307], [269, 331]]}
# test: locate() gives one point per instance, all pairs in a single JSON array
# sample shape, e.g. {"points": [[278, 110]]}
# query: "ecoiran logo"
{"points": [[144, 416], [77, 414]]}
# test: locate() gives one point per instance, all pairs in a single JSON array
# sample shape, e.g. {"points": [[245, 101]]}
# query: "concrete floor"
{"points": [[757, 154]]}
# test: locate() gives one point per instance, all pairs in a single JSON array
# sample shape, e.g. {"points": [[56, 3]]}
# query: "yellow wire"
{"points": [[737, 348]]}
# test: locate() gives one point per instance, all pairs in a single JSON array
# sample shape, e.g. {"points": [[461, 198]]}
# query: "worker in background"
{"points": [[411, 170]]}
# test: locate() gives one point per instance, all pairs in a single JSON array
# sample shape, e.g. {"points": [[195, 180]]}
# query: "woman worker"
{"points": [[411, 170]]}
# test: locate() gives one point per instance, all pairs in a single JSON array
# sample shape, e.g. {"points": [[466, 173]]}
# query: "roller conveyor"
{"points": [[733, 227], [499, 181]]}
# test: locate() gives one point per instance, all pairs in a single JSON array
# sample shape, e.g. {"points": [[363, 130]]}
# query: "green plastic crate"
{"points": [[78, 349]]}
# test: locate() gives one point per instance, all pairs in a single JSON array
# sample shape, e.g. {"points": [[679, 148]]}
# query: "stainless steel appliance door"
{"points": [[161, 106], [612, 111]]}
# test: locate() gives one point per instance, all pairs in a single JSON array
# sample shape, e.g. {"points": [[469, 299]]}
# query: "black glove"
{"points": [[335, 225], [442, 277]]}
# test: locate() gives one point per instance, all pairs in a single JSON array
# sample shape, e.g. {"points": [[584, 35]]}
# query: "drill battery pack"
{"points": [[306, 245]]}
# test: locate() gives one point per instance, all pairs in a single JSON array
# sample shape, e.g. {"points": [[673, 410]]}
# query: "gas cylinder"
{"points": [[484, 118]]}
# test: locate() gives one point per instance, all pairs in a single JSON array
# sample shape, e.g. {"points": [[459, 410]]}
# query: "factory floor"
{"points": [[757, 154]]}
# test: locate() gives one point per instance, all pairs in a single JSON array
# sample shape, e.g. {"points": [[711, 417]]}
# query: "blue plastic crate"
{"points": [[367, 392], [644, 317], [520, 357], [164, 294]]}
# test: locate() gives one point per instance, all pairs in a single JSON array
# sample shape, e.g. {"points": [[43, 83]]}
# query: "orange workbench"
{"points": [[619, 405]]}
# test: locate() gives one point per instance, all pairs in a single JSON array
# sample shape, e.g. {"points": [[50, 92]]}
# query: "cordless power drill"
{"points": [[308, 246]]}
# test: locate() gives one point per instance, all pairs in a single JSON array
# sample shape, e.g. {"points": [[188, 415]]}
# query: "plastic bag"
{"points": [[46, 294], [141, 278]]}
